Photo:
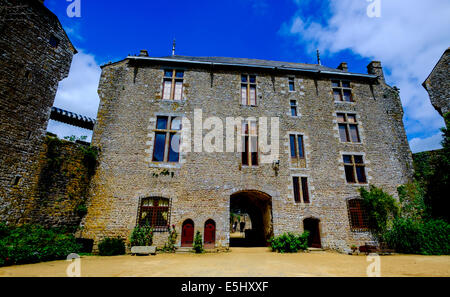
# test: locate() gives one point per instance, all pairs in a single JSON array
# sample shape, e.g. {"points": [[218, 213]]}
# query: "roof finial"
{"points": [[173, 46], [318, 57]]}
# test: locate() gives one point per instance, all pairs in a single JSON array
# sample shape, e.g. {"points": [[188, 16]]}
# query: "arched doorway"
{"points": [[312, 226], [254, 209], [187, 234], [210, 234]]}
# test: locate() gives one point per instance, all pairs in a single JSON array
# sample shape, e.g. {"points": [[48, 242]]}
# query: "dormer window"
{"points": [[248, 90], [173, 85], [342, 91]]}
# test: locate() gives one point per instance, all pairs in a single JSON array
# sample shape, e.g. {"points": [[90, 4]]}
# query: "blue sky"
{"points": [[409, 37]]}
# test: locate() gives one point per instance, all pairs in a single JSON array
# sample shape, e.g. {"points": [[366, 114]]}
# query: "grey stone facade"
{"points": [[438, 84], [204, 185], [35, 54]]}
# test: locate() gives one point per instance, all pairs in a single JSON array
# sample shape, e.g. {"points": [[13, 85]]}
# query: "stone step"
{"points": [[315, 250], [184, 250]]}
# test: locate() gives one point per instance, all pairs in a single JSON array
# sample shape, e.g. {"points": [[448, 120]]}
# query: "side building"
{"points": [[338, 131], [35, 55]]}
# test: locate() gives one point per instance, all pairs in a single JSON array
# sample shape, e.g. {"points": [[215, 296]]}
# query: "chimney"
{"points": [[144, 53], [343, 66], [375, 68]]}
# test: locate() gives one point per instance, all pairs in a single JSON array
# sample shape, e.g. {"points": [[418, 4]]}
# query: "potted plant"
{"points": [[141, 241]]}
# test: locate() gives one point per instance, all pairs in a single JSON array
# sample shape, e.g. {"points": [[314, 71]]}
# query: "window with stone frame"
{"points": [[173, 84], [355, 169], [291, 84], [167, 139], [342, 91], [248, 90], [359, 220], [294, 108], [250, 144], [155, 212], [348, 128], [297, 150], [301, 191]]}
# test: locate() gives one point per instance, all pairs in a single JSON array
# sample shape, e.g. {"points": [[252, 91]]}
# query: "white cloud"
{"points": [[409, 38], [426, 144], [78, 93]]}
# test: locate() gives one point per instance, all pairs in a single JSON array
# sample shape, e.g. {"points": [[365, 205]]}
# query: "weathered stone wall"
{"points": [[30, 69], [438, 84], [201, 186], [61, 184]]}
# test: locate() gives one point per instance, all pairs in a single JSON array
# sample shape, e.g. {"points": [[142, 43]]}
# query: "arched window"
{"points": [[358, 215], [155, 212]]}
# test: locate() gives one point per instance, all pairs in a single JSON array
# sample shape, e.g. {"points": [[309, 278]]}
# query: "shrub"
{"points": [[198, 243], [111, 247], [33, 244], [171, 240], [289, 243], [381, 209], [142, 236], [419, 237]]}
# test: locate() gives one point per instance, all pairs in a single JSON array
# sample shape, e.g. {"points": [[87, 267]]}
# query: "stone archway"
{"points": [[258, 206]]}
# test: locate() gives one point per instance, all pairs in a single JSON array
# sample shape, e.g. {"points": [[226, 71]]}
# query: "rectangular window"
{"points": [[291, 84], [294, 108], [248, 90], [342, 91], [155, 212], [355, 170], [167, 139], [359, 220], [297, 146], [301, 192], [348, 128], [173, 85], [250, 143]]}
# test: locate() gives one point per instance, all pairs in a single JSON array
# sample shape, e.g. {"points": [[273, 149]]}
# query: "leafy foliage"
{"points": [[198, 243], [432, 171], [34, 244], [171, 240], [419, 237], [412, 201], [381, 209], [111, 247], [289, 243], [142, 236]]}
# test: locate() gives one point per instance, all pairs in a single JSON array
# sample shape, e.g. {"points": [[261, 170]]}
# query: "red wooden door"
{"points": [[187, 234], [210, 234]]}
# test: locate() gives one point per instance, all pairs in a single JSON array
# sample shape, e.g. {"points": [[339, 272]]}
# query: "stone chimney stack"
{"points": [[343, 66], [375, 68], [144, 53]]}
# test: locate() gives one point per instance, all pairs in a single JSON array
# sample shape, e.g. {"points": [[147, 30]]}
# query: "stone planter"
{"points": [[143, 250]]}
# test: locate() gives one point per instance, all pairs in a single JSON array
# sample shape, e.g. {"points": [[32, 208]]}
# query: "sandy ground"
{"points": [[240, 262]]}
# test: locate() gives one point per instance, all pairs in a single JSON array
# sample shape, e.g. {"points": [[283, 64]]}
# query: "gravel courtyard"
{"points": [[240, 262]]}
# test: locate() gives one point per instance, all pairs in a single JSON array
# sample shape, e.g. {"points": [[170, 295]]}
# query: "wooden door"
{"points": [[312, 225], [187, 234], [210, 234]]}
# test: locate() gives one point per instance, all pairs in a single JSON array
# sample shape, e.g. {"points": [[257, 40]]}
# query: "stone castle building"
{"points": [[35, 55], [438, 84], [338, 131]]}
